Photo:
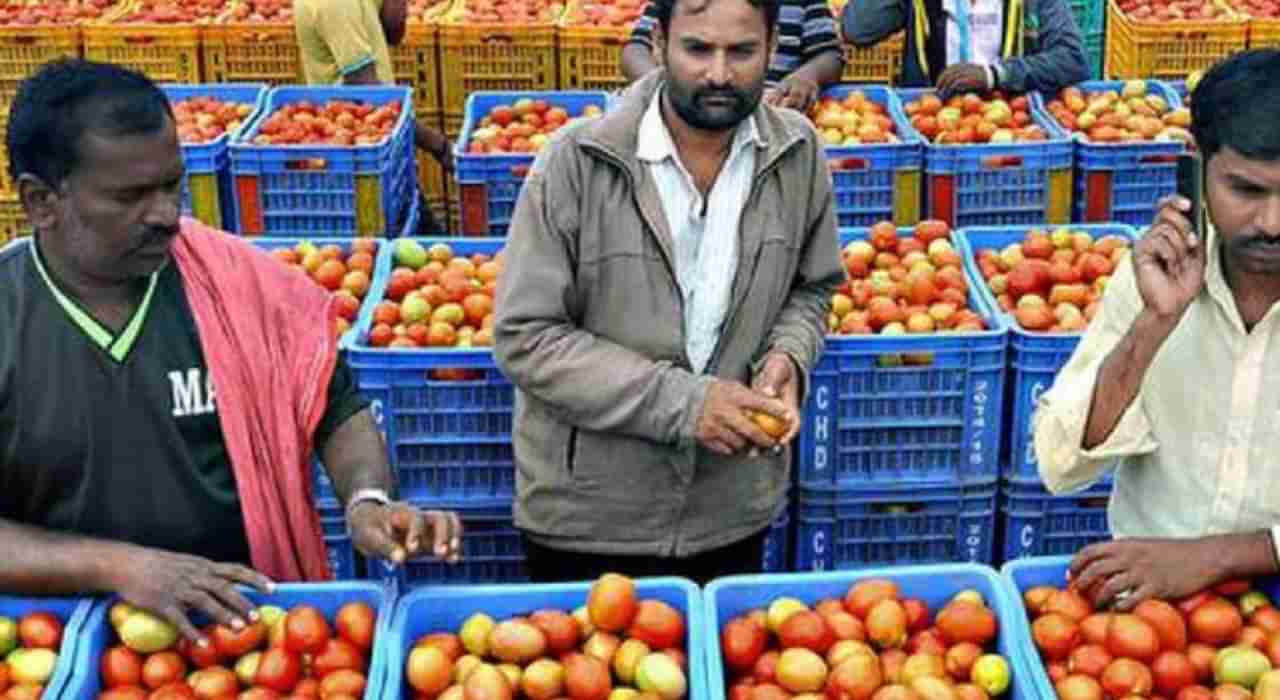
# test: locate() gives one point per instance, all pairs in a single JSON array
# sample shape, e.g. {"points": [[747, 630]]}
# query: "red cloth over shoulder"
{"points": [[267, 336]]}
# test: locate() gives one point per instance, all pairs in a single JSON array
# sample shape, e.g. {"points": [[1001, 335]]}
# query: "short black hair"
{"points": [[1236, 104], [664, 9], [66, 98]]}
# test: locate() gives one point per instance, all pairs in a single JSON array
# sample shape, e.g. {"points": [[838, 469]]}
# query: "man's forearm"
{"points": [[824, 69], [356, 458], [1246, 555], [1121, 375], [36, 561], [637, 61]]}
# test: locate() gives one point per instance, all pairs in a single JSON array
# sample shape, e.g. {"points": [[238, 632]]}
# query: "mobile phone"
{"points": [[1191, 186]]}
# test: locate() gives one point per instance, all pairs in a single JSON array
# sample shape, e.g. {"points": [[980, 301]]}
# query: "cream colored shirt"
{"points": [[339, 37], [705, 231], [1196, 448]]}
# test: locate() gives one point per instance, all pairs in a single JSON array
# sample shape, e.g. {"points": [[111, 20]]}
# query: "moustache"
{"points": [[153, 235]]}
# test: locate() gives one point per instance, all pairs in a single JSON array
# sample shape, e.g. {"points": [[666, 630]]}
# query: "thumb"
{"points": [[379, 536]]}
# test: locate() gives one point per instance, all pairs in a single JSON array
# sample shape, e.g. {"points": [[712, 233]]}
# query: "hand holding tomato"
{"points": [[779, 378], [400, 532], [1167, 569], [725, 425], [962, 78], [169, 584]]}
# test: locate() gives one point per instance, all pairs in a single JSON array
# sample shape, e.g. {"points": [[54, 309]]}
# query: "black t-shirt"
{"points": [[117, 435]]}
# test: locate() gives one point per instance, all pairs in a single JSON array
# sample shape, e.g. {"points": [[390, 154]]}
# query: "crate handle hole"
{"points": [[498, 38], [848, 164], [23, 39], [140, 40], [1159, 158], [904, 508], [307, 164], [1002, 162]]}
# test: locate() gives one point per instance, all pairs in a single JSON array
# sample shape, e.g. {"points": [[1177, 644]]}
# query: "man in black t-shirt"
{"points": [[115, 476]]}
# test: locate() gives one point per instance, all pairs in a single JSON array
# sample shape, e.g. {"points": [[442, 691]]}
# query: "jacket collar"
{"points": [[617, 133]]}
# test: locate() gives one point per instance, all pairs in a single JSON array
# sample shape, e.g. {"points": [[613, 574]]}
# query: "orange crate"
{"points": [[875, 64], [493, 56], [242, 52], [417, 64], [23, 49], [13, 219], [166, 53], [1168, 50], [1264, 32], [590, 56]]}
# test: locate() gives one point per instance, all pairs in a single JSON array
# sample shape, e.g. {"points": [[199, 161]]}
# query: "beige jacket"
{"points": [[589, 330]]}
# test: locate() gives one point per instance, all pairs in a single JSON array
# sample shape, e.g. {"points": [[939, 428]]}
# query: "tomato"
{"points": [[200, 656], [159, 670], [305, 630], [307, 688], [338, 654], [24, 692], [279, 670], [343, 683], [214, 683], [232, 644], [40, 630], [355, 623], [174, 691], [1232, 588], [130, 692], [121, 666], [259, 693]]}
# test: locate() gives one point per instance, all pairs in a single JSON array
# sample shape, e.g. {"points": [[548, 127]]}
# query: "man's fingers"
{"points": [[1085, 557], [441, 532], [731, 437], [747, 428], [1112, 588], [245, 575], [1176, 241], [378, 542], [1096, 571], [1136, 596], [225, 593], [455, 537], [1176, 201], [203, 601], [175, 615], [417, 532]]}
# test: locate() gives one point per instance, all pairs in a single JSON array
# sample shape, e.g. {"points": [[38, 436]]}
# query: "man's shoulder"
{"points": [[15, 256]]}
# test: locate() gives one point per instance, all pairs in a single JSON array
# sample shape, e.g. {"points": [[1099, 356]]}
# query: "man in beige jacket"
{"points": [[1177, 375], [669, 267]]}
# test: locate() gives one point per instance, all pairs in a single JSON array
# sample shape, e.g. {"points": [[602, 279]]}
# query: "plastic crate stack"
{"points": [[1168, 50], [898, 451], [207, 186], [489, 183], [324, 190], [872, 182], [448, 438], [996, 184], [1090, 16], [129, 36], [1119, 182], [1034, 521]]}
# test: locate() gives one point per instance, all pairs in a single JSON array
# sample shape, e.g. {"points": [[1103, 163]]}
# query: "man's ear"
{"points": [[40, 200]]}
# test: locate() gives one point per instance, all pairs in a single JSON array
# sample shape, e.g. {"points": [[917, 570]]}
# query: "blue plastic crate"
{"points": [[728, 598], [346, 563], [492, 549], [1180, 87], [445, 439], [489, 184], [1038, 523], [849, 528], [777, 544], [72, 613], [884, 410], [864, 178], [1035, 358], [446, 608], [1090, 15], [214, 157], [310, 190], [1003, 184], [1119, 182], [328, 598]]}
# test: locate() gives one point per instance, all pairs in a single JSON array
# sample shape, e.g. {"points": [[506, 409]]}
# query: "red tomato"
{"points": [[159, 670], [201, 656], [342, 683], [121, 666], [307, 688], [279, 670], [232, 644], [355, 622], [131, 692], [40, 630], [305, 630], [174, 691], [214, 683], [338, 654], [259, 694]]}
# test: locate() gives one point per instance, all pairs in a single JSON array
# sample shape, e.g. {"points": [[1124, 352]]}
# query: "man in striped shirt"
{"points": [[806, 58]]}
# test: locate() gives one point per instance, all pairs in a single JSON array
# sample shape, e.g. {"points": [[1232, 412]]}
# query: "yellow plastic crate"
{"points": [[493, 56], [13, 219], [24, 49], [1264, 32], [590, 57], [236, 52], [417, 64], [1168, 50], [875, 64], [166, 53]]}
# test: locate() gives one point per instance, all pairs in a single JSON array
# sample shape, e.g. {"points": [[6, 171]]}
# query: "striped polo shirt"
{"points": [[806, 29]]}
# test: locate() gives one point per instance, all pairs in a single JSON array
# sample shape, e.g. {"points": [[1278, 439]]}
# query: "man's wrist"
{"points": [[1243, 555]]}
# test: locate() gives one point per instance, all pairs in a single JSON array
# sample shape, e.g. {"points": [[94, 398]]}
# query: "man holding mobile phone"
{"points": [[1176, 379]]}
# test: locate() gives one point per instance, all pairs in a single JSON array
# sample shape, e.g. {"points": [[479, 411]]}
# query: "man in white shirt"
{"points": [[669, 269], [1178, 375]]}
